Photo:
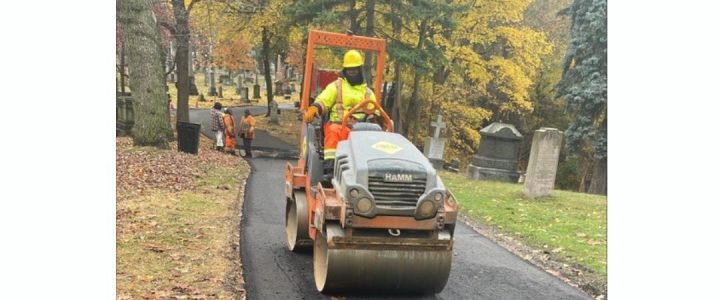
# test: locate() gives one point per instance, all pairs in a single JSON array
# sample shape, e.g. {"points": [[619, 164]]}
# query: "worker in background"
{"points": [[217, 126], [336, 100], [247, 132], [229, 122]]}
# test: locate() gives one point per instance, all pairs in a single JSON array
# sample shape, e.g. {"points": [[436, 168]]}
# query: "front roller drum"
{"points": [[406, 271], [296, 223]]}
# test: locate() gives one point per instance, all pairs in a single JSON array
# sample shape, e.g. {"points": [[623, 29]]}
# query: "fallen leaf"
{"points": [[156, 248]]}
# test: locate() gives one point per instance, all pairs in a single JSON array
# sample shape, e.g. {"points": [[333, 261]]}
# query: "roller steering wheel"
{"points": [[369, 107]]}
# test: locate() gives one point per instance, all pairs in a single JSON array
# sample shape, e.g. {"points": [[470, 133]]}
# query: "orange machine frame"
{"points": [[298, 175], [324, 38]]}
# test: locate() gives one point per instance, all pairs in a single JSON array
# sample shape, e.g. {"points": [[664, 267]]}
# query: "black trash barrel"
{"points": [[188, 137]]}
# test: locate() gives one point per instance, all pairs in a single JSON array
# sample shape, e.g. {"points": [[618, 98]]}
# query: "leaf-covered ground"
{"points": [[178, 217]]}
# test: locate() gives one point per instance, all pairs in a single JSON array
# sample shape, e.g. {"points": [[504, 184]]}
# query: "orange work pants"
{"points": [[334, 133]]}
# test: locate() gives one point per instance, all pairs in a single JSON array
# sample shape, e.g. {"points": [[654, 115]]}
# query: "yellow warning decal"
{"points": [[386, 147]]}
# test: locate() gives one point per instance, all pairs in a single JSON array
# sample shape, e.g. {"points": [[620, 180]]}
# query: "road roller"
{"points": [[382, 221]]}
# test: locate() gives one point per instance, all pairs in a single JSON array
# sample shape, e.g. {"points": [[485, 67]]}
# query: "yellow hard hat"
{"points": [[352, 59]]}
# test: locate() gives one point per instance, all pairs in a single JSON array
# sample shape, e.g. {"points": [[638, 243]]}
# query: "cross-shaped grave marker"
{"points": [[438, 125]]}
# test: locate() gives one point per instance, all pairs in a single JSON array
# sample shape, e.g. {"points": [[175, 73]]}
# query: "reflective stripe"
{"points": [[338, 99], [329, 154]]}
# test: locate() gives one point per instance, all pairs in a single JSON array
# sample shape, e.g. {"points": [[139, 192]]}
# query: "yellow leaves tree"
{"points": [[502, 55], [233, 54]]}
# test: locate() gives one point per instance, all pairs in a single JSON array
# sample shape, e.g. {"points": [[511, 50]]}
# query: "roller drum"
{"points": [[402, 270], [296, 223]]}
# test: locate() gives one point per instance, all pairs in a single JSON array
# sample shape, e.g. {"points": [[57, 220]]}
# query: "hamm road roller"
{"points": [[380, 220]]}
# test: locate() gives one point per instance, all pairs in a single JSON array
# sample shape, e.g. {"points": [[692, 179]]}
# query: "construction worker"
{"points": [[353, 90]]}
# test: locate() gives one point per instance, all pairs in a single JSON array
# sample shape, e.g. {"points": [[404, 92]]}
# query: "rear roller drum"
{"points": [[406, 271], [296, 223]]}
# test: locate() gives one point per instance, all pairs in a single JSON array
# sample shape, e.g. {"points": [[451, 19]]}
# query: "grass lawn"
{"points": [[572, 226]]}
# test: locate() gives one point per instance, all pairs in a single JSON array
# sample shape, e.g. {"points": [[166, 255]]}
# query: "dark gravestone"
{"points": [[193, 87], [244, 95], [124, 115], [256, 91], [220, 90], [496, 158], [274, 111], [212, 90]]}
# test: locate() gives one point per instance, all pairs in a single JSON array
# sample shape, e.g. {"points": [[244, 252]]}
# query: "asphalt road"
{"points": [[480, 268], [270, 145], [202, 116]]}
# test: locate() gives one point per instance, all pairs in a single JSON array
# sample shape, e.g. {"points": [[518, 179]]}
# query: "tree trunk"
{"points": [[142, 36], [414, 108], [396, 111], [122, 68], [598, 185], [369, 31], [354, 24], [266, 66], [182, 59]]}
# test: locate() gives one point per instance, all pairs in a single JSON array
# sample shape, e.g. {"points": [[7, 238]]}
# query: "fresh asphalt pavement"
{"points": [[480, 268]]}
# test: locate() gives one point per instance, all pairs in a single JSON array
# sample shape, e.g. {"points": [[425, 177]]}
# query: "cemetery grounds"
{"points": [[565, 234]]}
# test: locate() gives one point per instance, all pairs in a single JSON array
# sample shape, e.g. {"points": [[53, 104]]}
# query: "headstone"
{"points": [[244, 95], [193, 87], [278, 87], [125, 115], [212, 91], [435, 146], [274, 112], [496, 158], [238, 88], [256, 91], [542, 168], [220, 91]]}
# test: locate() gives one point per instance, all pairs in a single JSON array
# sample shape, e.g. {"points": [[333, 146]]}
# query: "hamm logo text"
{"points": [[398, 177]]}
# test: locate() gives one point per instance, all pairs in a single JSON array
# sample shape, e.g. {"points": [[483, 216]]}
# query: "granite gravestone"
{"points": [[256, 91], [496, 158], [435, 146], [542, 168], [244, 95], [274, 112], [239, 86], [125, 115]]}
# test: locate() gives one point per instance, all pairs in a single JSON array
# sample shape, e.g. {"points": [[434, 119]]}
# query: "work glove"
{"points": [[310, 114]]}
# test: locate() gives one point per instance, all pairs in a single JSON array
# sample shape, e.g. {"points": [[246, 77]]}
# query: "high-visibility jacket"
{"points": [[328, 100], [338, 104]]}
